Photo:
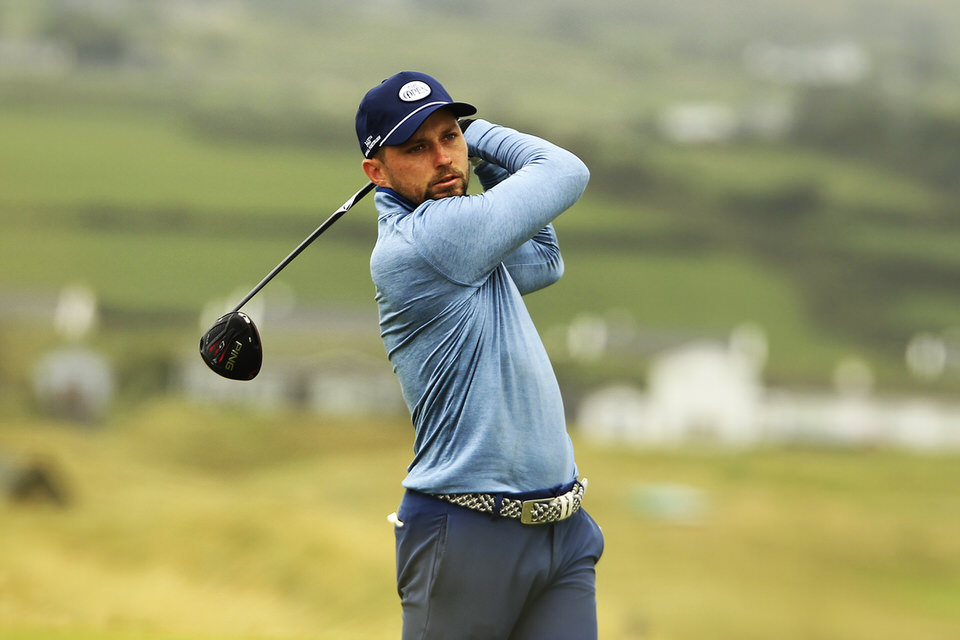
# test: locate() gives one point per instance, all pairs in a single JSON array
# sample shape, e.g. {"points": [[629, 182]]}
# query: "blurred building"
{"points": [[343, 383], [835, 63], [697, 123], [710, 393], [74, 382]]}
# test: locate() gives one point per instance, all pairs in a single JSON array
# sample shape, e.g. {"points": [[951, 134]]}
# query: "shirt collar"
{"points": [[400, 198]]}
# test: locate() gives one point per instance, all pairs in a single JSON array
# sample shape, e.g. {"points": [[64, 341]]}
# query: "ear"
{"points": [[375, 172]]}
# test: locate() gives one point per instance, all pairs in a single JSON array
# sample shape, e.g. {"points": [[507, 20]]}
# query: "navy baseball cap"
{"points": [[393, 110]]}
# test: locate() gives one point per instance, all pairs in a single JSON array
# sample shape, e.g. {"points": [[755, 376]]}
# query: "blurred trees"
{"points": [[867, 124], [95, 38]]}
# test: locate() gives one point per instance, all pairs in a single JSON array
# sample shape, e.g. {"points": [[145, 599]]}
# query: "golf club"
{"points": [[231, 347]]}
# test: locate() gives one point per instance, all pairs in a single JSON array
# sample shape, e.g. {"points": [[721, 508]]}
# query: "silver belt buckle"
{"points": [[526, 511], [559, 508]]}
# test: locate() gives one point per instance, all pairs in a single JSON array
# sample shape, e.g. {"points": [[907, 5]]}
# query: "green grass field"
{"points": [[195, 523], [67, 156]]}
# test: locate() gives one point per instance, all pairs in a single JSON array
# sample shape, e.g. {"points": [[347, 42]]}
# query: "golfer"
{"points": [[492, 542]]}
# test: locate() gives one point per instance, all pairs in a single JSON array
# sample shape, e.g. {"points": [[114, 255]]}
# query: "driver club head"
{"points": [[231, 347]]}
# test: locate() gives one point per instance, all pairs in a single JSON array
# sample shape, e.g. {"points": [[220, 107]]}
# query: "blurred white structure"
{"points": [[76, 314], [74, 384], [712, 393], [701, 122], [618, 414], [334, 384], [587, 338], [927, 356], [267, 392], [838, 63], [353, 384], [704, 391], [692, 123]]}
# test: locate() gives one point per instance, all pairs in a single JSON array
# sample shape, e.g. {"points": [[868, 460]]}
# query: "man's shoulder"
{"points": [[395, 254]]}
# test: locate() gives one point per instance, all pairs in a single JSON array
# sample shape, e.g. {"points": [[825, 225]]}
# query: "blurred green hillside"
{"points": [[791, 165], [168, 153]]}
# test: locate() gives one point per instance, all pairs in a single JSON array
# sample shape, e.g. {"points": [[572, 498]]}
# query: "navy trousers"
{"points": [[473, 576]]}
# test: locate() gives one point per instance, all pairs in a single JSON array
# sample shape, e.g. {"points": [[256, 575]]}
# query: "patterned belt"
{"points": [[538, 511]]}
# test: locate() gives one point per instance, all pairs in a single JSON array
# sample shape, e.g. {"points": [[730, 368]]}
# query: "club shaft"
{"points": [[303, 245]]}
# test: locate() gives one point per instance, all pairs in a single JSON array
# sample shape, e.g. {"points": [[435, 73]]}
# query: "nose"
{"points": [[442, 157]]}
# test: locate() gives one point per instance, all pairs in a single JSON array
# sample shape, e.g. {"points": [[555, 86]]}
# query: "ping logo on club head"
{"points": [[234, 354], [413, 91]]}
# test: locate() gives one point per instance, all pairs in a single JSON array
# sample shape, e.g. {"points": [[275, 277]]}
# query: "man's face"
{"points": [[431, 165]]}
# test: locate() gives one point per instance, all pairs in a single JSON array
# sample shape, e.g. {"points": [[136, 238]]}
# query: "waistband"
{"points": [[543, 506]]}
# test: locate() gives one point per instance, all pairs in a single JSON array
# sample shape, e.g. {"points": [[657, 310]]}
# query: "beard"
{"points": [[448, 181], [458, 187]]}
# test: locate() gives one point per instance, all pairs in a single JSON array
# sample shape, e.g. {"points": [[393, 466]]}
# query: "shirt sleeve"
{"points": [[466, 238], [537, 263]]}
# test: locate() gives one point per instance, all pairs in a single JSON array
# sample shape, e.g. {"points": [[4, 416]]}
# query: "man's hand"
{"points": [[464, 123]]}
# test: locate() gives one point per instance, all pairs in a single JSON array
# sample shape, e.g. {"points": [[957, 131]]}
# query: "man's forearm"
{"points": [[537, 263], [466, 238]]}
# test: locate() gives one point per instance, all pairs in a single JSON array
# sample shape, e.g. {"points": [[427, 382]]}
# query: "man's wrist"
{"points": [[476, 131]]}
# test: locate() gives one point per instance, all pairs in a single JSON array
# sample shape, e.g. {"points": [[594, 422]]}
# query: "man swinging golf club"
{"points": [[492, 542]]}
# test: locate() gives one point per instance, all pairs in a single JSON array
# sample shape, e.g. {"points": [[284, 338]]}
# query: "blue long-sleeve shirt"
{"points": [[449, 275]]}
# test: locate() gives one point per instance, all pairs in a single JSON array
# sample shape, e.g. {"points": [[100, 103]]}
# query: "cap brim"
{"points": [[405, 130]]}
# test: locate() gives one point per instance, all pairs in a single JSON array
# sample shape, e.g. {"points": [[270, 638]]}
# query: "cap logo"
{"points": [[371, 142], [413, 91]]}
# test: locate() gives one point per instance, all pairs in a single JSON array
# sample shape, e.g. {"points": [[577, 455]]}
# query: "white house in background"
{"points": [[838, 63], [708, 392], [76, 315], [698, 122], [341, 384], [270, 390], [692, 123], [703, 391], [625, 415], [74, 383], [923, 425], [617, 414], [353, 384], [860, 421]]}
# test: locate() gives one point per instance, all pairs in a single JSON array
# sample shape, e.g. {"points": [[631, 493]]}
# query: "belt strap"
{"points": [[537, 511]]}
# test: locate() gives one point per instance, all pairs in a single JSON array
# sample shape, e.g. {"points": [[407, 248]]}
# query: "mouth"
{"points": [[447, 181]]}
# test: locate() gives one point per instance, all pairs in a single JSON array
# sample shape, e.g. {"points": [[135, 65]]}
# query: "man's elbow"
{"points": [[556, 270], [542, 277], [583, 175], [577, 176]]}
